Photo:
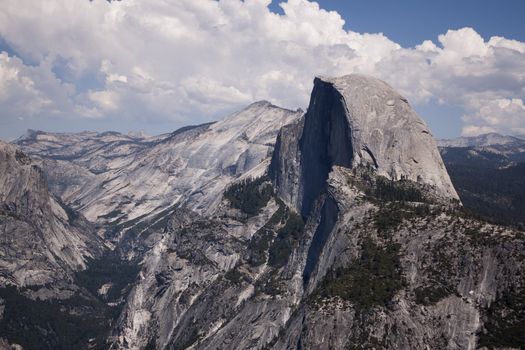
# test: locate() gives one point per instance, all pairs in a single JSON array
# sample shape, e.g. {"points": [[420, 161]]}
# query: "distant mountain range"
{"points": [[490, 139], [489, 173]]}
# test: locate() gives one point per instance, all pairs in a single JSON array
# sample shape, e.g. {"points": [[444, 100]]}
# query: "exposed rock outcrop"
{"points": [[123, 181], [43, 241], [356, 121], [384, 258]]}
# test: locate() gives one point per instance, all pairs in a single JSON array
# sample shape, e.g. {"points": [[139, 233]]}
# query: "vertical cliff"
{"points": [[356, 121]]}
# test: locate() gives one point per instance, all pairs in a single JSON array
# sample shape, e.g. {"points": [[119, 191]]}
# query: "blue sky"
{"points": [[409, 22], [159, 65]]}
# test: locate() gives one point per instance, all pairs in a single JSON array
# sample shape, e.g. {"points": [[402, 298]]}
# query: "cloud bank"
{"points": [[188, 61]]}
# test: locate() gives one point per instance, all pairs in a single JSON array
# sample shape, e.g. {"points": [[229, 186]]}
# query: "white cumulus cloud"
{"points": [[187, 61], [503, 115]]}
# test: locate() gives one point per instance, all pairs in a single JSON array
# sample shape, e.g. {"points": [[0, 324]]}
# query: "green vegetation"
{"points": [[505, 325], [431, 295], [22, 158], [235, 276], [74, 323], [262, 239], [111, 215], [478, 237], [386, 219], [395, 191], [249, 196], [372, 280], [287, 237], [258, 246], [382, 189], [271, 286], [443, 264], [152, 344], [189, 340], [280, 247], [109, 268], [79, 322], [72, 215], [391, 215], [397, 200], [489, 184]]}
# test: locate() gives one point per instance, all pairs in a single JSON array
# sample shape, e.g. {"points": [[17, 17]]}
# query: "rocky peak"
{"points": [[354, 121], [388, 134], [115, 178]]}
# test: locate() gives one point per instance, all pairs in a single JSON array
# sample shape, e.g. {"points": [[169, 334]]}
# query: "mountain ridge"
{"points": [[260, 290], [335, 228], [489, 173], [119, 180]]}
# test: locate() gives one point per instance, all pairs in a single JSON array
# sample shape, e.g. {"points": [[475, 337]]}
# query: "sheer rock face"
{"points": [[209, 292], [42, 241], [471, 263], [357, 121], [125, 178]]}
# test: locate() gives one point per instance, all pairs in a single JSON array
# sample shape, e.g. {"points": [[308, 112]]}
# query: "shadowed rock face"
{"points": [[325, 142], [43, 241], [357, 121]]}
